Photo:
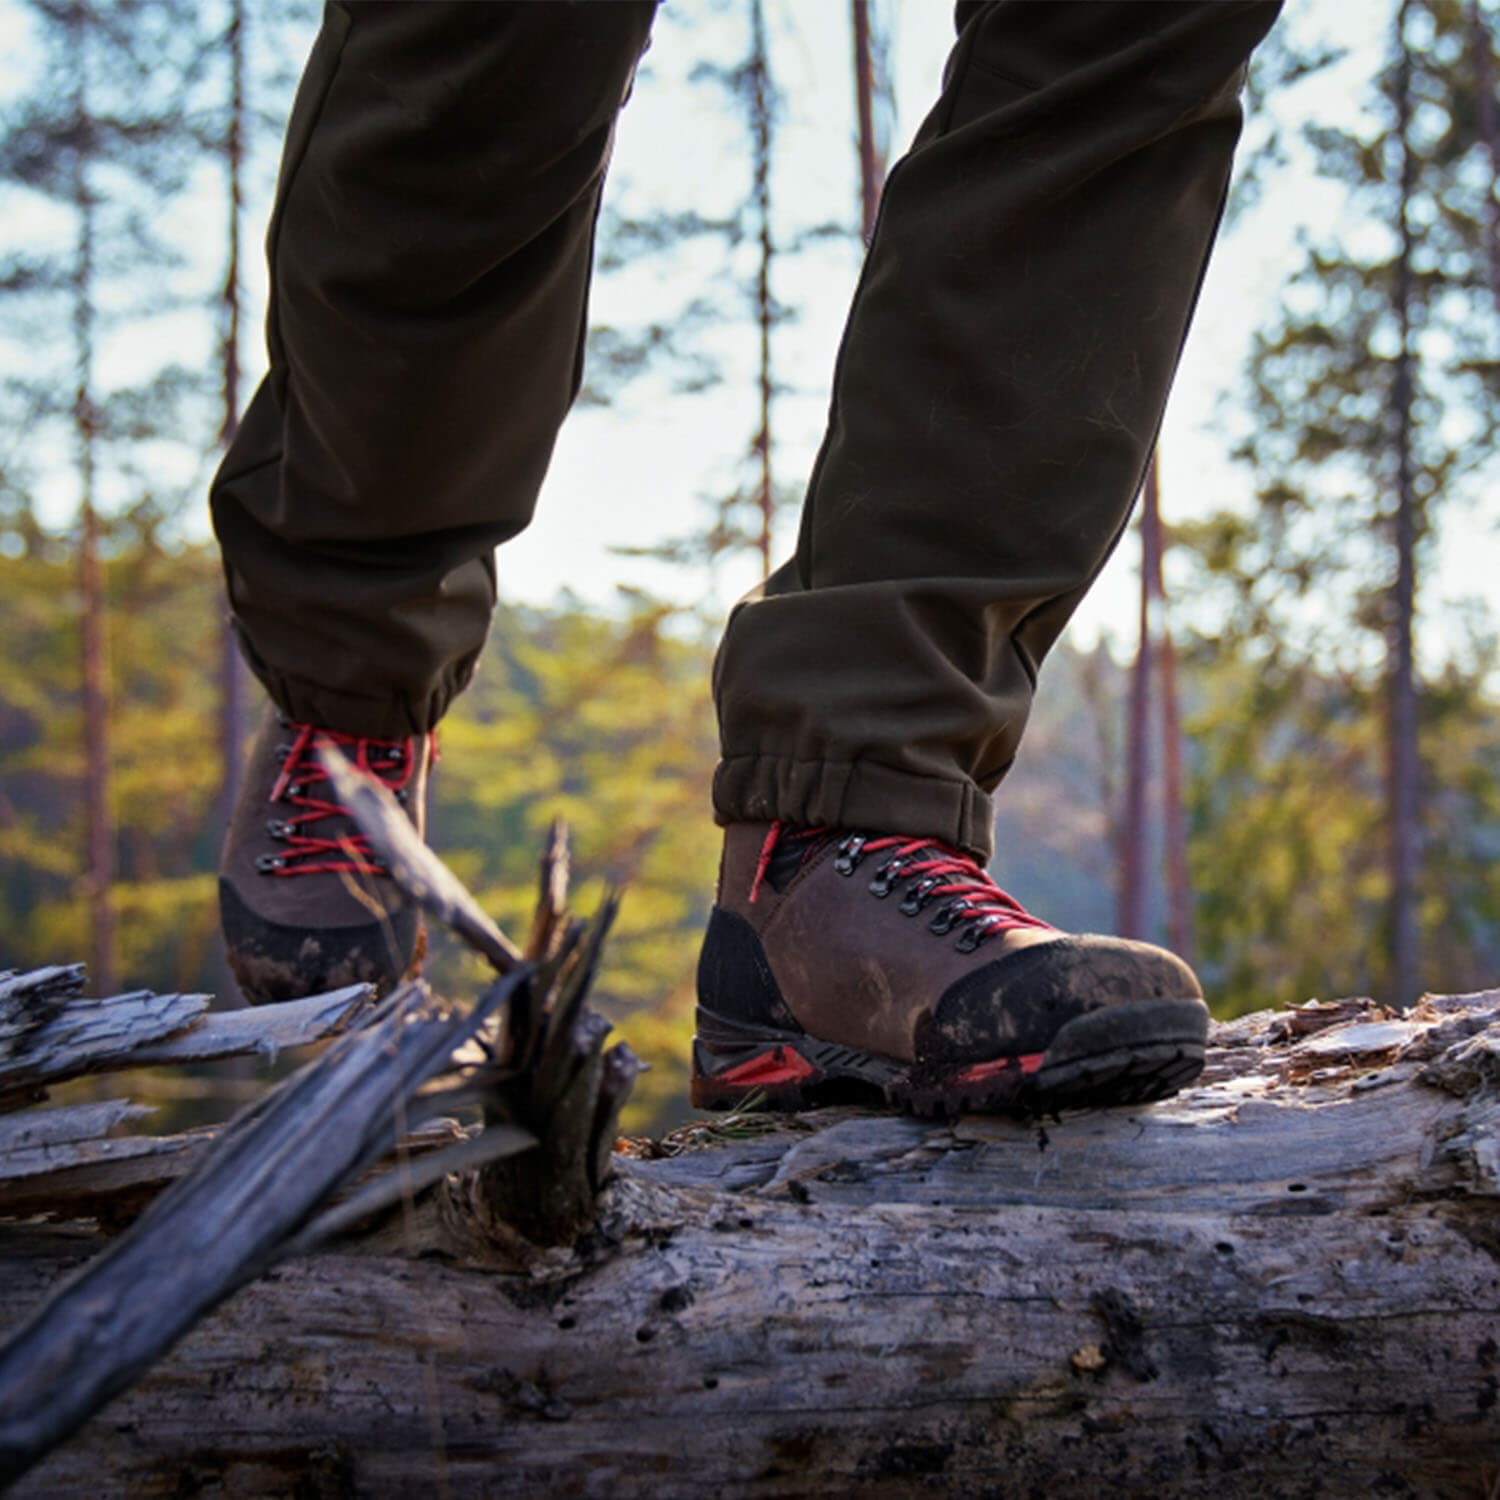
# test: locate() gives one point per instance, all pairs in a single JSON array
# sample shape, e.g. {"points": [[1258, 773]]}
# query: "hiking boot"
{"points": [[841, 966], [304, 903]]}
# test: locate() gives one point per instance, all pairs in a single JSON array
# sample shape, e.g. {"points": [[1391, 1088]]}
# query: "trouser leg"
{"points": [[430, 254], [999, 388]]}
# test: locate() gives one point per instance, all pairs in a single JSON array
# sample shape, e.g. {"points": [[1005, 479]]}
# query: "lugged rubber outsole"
{"points": [[1120, 1055]]}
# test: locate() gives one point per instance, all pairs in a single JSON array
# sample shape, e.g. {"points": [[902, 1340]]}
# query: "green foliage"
{"points": [[1288, 820], [605, 721], [166, 767], [608, 723]]}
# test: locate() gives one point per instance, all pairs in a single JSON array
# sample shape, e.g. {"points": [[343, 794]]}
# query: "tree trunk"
{"points": [[1489, 133], [1132, 905], [1283, 1283], [871, 167], [760, 131], [231, 668], [1174, 819], [1404, 766], [98, 796]]}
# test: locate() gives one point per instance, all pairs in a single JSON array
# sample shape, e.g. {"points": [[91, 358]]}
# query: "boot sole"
{"points": [[1120, 1055]]}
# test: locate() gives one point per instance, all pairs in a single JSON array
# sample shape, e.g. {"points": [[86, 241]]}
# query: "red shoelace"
{"points": [[304, 784], [936, 872]]}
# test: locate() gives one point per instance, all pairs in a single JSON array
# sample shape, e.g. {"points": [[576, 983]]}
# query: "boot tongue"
{"points": [[793, 848]]}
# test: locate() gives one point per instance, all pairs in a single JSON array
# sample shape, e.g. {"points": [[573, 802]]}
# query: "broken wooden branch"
{"points": [[528, 1053], [558, 1083], [83, 1035], [226, 1222], [28, 1001], [63, 1162], [38, 1129], [51, 1031], [549, 922], [412, 865], [262, 1030]]}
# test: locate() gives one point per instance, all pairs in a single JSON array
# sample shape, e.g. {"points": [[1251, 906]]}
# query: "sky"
{"points": [[637, 472]]}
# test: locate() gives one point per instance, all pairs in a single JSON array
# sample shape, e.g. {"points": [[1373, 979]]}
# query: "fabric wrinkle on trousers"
{"points": [[430, 252], [998, 390]]}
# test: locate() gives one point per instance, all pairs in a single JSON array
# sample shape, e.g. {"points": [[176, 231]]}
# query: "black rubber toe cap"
{"points": [[1019, 1002]]}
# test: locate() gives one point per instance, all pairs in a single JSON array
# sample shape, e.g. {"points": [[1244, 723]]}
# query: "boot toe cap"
{"points": [[1019, 1001]]}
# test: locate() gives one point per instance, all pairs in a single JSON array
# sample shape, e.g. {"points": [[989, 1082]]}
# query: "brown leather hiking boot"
{"points": [[843, 965], [304, 904]]}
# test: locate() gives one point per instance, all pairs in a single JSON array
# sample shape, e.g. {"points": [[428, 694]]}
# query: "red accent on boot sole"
{"points": [[982, 1072], [781, 1065]]}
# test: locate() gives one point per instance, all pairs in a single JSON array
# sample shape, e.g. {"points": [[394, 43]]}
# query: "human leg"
{"points": [[1002, 377], [430, 252]]}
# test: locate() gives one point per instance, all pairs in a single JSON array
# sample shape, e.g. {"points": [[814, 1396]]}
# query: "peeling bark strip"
{"points": [[50, 1031], [1284, 1283]]}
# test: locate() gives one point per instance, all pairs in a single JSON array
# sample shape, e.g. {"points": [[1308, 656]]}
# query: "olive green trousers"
{"points": [[996, 396]]}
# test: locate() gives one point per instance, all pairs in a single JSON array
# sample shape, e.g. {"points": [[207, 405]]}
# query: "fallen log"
{"points": [[1286, 1282]]}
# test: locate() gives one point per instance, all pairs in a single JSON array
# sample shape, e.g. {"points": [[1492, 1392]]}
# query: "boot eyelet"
{"points": [[917, 897], [947, 917], [277, 829], [848, 855], [269, 863], [885, 879], [971, 939]]}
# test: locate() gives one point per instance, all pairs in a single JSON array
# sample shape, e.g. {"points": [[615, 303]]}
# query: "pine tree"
{"points": [[1373, 411], [98, 141], [869, 83]]}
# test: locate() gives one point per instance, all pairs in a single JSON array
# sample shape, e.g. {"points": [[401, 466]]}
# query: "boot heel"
{"points": [[729, 1069]]}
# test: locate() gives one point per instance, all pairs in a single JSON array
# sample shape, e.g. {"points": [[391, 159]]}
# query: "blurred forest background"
{"points": [[1275, 772]]}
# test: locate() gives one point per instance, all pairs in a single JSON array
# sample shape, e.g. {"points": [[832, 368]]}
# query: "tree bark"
{"points": [[1174, 813], [231, 668], [1489, 133], [1132, 906], [1284, 1283]]}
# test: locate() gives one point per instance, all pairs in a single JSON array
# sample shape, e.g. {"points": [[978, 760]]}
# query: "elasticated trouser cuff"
{"points": [[307, 702], [820, 793]]}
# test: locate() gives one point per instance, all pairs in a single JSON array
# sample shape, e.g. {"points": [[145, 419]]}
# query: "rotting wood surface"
{"points": [[1284, 1283]]}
